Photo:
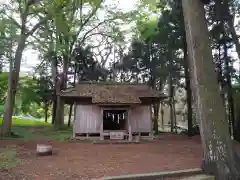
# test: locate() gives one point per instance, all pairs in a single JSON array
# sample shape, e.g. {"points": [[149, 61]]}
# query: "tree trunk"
{"points": [[218, 151], [12, 87], [54, 65], [7, 123], [54, 107], [231, 114], [1, 66], [46, 112], [174, 114], [188, 89], [189, 103], [171, 102], [70, 115], [156, 107], [187, 78], [231, 28], [162, 115], [234, 34], [74, 83], [237, 114], [59, 122]]}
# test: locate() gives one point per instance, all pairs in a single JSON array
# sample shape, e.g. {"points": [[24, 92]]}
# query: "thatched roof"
{"points": [[112, 93]]}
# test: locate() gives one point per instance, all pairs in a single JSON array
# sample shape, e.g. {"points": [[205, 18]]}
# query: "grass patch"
{"points": [[23, 132], [8, 157], [34, 129], [26, 122], [62, 134], [44, 133], [52, 134]]}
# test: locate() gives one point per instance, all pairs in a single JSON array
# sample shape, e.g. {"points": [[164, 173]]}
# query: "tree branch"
{"points": [[83, 24], [31, 32], [98, 33], [13, 20]]}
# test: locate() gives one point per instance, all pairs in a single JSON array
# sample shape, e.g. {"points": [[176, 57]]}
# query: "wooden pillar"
{"points": [[101, 126], [130, 138]]}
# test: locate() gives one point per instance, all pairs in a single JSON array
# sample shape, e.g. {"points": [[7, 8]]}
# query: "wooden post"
{"points": [[101, 126], [129, 126], [139, 133]]}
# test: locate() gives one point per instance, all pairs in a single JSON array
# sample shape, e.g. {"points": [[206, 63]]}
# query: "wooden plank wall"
{"points": [[88, 119], [140, 118]]}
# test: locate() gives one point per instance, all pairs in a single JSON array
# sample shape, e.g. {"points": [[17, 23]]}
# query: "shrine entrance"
{"points": [[115, 123], [114, 120]]}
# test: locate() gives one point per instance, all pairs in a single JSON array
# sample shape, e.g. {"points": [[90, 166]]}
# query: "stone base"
{"points": [[50, 153], [115, 142], [199, 177]]}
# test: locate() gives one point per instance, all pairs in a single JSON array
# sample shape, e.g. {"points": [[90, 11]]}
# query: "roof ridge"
{"points": [[113, 92]]}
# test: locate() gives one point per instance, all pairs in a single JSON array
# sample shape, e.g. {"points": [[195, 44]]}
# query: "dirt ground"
{"points": [[76, 160]]}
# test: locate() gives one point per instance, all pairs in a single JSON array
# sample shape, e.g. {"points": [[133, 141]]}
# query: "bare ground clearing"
{"points": [[76, 160]]}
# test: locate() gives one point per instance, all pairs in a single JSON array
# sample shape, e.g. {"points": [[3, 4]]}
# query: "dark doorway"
{"points": [[114, 119]]}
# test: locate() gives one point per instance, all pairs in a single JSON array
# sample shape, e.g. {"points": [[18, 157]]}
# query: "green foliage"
{"points": [[1, 109], [156, 49], [147, 27], [8, 36], [30, 95], [26, 122], [54, 26], [3, 87], [153, 5]]}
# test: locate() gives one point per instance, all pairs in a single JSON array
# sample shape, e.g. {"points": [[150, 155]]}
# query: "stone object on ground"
{"points": [[44, 150], [157, 175], [200, 177]]}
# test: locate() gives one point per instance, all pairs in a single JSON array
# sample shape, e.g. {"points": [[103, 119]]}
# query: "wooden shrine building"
{"points": [[111, 110]]}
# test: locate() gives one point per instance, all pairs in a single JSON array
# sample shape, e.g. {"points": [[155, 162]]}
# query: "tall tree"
{"points": [[26, 10], [222, 43], [71, 26], [219, 156], [177, 8]]}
